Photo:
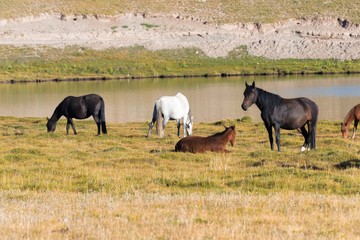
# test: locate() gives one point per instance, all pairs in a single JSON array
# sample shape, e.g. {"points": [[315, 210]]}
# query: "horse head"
{"points": [[345, 130], [189, 123], [250, 96], [232, 136], [51, 125]]}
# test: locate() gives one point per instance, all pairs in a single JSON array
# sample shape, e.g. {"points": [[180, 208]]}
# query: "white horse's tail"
{"points": [[157, 116]]}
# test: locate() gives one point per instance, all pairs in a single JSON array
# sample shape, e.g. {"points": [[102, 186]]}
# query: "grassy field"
{"points": [[44, 63], [122, 185], [217, 11]]}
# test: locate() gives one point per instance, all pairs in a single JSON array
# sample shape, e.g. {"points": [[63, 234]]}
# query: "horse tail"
{"points": [[157, 117], [314, 119], [314, 110], [102, 116], [159, 126]]}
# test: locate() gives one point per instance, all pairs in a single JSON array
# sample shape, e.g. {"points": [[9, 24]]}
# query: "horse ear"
{"points": [[253, 84], [47, 118], [246, 84]]}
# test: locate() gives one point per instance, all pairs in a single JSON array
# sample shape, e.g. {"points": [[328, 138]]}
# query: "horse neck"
{"points": [[190, 115], [57, 113], [350, 117], [266, 99], [223, 136]]}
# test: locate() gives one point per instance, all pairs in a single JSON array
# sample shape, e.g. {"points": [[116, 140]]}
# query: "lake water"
{"points": [[210, 99]]}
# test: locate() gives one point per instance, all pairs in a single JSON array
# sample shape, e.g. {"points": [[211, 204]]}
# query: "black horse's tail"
{"points": [[314, 118], [102, 117]]}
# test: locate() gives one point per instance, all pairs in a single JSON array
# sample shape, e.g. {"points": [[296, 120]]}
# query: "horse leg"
{"points": [[184, 124], [150, 127], [355, 127], [70, 122], [165, 120], [178, 126], [277, 136], [269, 129], [67, 127], [306, 136]]}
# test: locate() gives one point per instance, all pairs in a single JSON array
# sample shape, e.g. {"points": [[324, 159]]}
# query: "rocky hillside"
{"points": [[303, 38]]}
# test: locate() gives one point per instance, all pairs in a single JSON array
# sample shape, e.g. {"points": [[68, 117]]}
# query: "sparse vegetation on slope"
{"points": [[218, 11]]}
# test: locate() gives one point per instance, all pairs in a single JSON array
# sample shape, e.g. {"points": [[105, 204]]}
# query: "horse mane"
{"points": [[190, 114], [221, 133], [57, 112], [349, 114], [267, 97]]}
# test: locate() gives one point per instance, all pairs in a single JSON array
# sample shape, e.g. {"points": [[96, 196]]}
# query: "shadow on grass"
{"points": [[311, 167], [305, 167], [161, 150], [348, 164]]}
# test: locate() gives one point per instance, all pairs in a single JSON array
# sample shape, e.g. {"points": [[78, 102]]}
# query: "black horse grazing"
{"points": [[283, 113], [80, 108]]}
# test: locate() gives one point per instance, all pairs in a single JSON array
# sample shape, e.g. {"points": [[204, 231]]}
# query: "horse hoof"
{"points": [[302, 149]]}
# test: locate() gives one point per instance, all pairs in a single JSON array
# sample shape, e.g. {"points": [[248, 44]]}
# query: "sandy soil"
{"points": [[295, 38]]}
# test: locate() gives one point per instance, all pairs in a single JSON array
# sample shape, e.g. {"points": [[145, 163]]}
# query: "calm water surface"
{"points": [[210, 99]]}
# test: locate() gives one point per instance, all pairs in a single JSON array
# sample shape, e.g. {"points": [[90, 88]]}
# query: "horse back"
{"points": [[357, 111], [82, 107], [193, 144], [174, 107], [293, 113], [197, 144]]}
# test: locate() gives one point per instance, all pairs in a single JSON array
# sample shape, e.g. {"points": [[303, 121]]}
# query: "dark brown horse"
{"points": [[214, 143], [278, 112], [353, 115], [80, 108]]}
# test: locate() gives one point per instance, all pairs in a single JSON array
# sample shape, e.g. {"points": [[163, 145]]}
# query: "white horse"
{"points": [[172, 108]]}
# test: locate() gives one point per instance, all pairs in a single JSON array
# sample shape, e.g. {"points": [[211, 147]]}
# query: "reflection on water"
{"points": [[210, 99]]}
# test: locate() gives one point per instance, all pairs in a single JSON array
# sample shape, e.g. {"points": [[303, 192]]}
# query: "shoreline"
{"points": [[223, 75]]}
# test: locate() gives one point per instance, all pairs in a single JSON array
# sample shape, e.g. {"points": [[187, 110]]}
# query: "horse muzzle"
{"points": [[244, 107]]}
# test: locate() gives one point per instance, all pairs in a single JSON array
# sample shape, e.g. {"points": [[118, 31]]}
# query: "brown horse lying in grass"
{"points": [[214, 143], [352, 116]]}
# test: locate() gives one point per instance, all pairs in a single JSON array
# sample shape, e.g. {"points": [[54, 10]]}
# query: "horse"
{"points": [[80, 108], [353, 115], [289, 114], [214, 143], [172, 108]]}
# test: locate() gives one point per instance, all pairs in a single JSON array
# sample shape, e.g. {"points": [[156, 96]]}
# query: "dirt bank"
{"points": [[295, 38]]}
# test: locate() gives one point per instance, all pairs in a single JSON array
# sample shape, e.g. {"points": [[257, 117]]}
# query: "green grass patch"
{"points": [[147, 25], [125, 161], [79, 62]]}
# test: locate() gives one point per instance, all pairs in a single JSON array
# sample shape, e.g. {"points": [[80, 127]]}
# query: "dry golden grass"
{"points": [[55, 215], [124, 186]]}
